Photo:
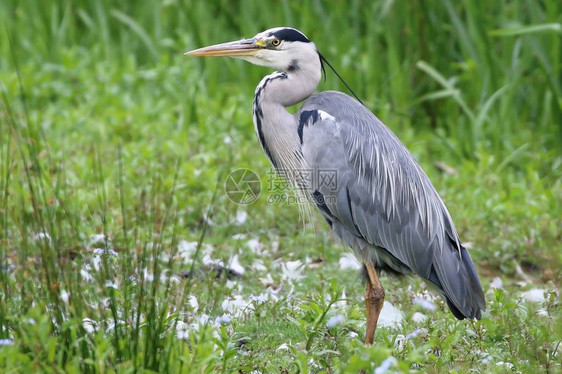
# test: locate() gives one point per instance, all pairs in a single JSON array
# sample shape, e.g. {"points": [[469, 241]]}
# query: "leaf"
{"points": [[512, 157], [448, 84], [137, 29], [525, 30], [481, 117]]}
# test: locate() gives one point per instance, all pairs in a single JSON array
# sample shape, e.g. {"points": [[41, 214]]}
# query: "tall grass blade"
{"points": [[526, 30]]}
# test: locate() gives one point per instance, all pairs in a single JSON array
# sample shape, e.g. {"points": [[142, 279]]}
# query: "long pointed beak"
{"points": [[240, 48]]}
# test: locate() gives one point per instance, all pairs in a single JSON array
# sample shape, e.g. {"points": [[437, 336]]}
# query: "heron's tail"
{"points": [[454, 273]]}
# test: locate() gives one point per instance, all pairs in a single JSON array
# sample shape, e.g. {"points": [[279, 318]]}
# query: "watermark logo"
{"points": [[304, 179], [242, 186], [284, 186]]}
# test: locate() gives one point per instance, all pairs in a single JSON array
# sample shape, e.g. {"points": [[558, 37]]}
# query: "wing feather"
{"points": [[385, 199]]}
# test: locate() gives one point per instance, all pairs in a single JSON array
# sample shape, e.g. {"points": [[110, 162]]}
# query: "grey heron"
{"points": [[383, 205]]}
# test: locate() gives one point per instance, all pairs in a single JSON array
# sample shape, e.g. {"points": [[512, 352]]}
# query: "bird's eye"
{"points": [[275, 42]]}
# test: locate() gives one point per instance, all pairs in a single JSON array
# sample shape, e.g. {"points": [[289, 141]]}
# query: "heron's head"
{"points": [[281, 48]]}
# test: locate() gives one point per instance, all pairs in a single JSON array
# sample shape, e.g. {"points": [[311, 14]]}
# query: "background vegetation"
{"points": [[114, 148]]}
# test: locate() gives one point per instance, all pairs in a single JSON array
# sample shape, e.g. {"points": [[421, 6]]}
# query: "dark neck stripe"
{"points": [[259, 115]]}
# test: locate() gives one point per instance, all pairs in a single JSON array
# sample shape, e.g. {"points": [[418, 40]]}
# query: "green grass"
{"points": [[114, 149]]}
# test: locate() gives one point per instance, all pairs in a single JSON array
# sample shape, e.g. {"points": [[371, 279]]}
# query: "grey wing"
{"points": [[382, 204]]}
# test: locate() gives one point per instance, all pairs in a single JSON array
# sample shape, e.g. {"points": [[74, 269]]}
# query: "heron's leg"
{"points": [[374, 299]]}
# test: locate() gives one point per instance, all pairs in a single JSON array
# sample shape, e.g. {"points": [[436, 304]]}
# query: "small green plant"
{"points": [[313, 322]]}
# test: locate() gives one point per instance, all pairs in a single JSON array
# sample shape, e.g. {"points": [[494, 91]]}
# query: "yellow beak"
{"points": [[241, 48]]}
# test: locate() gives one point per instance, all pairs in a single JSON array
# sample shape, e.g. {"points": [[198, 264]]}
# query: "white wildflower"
{"points": [[536, 295], [335, 320], [204, 319], [390, 315], [235, 265], [186, 250], [207, 260], [223, 320], [425, 304], [4, 342], [182, 330], [241, 217], [292, 270], [496, 283], [89, 325], [97, 238], [419, 317], [486, 359], [230, 284], [148, 276], [193, 302], [313, 364], [101, 251], [259, 299], [255, 246], [64, 296], [207, 219], [342, 303], [415, 333], [96, 262], [111, 284], [43, 235], [236, 305], [348, 261], [164, 257], [85, 274], [400, 342], [508, 365], [267, 280], [258, 265], [385, 365]]}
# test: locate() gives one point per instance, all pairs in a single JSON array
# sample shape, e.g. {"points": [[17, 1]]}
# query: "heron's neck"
{"points": [[277, 129]]}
